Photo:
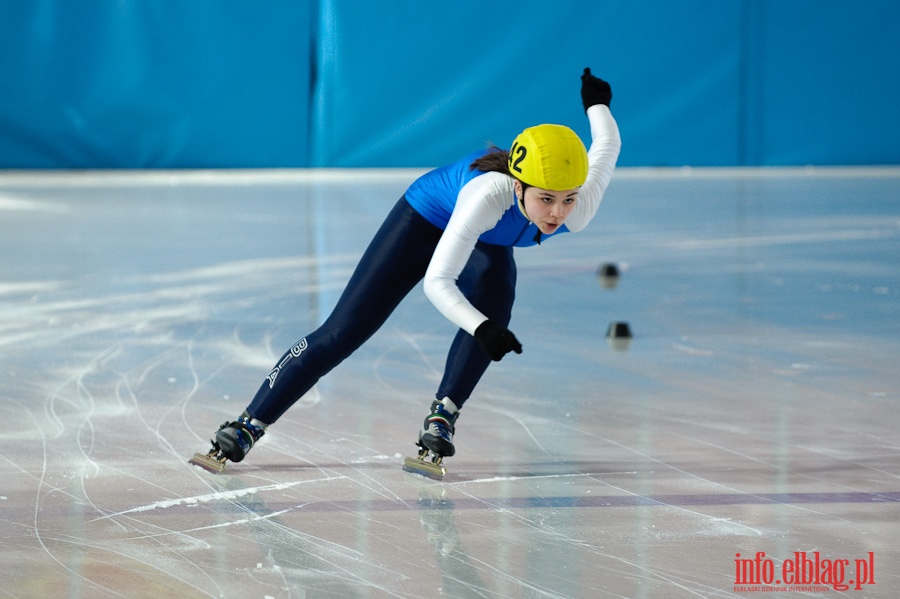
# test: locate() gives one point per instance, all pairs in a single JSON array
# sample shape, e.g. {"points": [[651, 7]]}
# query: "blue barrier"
{"points": [[346, 83]]}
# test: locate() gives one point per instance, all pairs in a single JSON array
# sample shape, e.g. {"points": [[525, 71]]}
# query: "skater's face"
{"points": [[548, 210]]}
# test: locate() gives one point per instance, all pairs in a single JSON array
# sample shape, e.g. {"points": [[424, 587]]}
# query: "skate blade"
{"points": [[207, 462], [423, 468]]}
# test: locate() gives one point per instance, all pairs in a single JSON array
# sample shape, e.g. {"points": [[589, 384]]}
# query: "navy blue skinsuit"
{"points": [[393, 264]]}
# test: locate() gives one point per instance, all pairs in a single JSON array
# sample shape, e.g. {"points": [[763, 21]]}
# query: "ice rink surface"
{"points": [[754, 413]]}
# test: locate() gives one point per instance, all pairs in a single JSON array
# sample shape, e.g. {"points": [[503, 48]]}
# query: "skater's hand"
{"points": [[594, 90], [496, 340]]}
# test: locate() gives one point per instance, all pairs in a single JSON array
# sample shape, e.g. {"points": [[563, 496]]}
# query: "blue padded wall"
{"points": [[407, 84], [347, 83], [112, 84]]}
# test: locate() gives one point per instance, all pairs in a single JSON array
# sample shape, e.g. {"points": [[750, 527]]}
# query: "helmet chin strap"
{"points": [[521, 202]]}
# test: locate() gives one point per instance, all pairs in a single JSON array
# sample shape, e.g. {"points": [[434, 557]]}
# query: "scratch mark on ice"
{"points": [[225, 495]]}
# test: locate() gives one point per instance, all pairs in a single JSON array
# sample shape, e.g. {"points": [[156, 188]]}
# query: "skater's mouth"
{"points": [[550, 227]]}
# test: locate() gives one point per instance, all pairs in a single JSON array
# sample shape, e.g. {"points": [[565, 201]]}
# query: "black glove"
{"points": [[594, 90], [496, 340]]}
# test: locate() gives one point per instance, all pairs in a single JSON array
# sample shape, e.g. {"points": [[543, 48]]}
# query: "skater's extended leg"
{"points": [[393, 264]]}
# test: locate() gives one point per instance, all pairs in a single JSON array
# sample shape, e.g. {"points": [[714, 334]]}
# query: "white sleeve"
{"points": [[479, 207], [481, 204], [602, 156]]}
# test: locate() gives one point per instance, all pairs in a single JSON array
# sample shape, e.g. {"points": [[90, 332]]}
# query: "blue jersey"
{"points": [[434, 195]]}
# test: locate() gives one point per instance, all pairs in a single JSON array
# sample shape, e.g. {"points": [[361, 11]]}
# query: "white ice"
{"points": [[756, 409]]}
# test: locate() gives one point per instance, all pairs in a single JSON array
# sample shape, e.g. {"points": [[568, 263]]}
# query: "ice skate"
{"points": [[232, 442], [435, 441]]}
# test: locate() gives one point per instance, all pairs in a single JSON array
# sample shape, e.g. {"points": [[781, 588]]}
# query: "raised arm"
{"points": [[596, 95]]}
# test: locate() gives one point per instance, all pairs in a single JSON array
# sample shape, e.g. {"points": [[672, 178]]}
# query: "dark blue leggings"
{"points": [[393, 264]]}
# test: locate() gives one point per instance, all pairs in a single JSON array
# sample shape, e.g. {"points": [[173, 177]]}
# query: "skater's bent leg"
{"points": [[489, 282], [393, 264], [466, 364]]}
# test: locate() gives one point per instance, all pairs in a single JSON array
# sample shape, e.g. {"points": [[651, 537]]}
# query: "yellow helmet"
{"points": [[550, 157]]}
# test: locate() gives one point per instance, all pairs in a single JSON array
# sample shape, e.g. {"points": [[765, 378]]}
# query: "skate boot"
{"points": [[436, 437], [232, 442], [437, 431], [235, 439]]}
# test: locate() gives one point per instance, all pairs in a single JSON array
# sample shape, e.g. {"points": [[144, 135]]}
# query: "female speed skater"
{"points": [[456, 227]]}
